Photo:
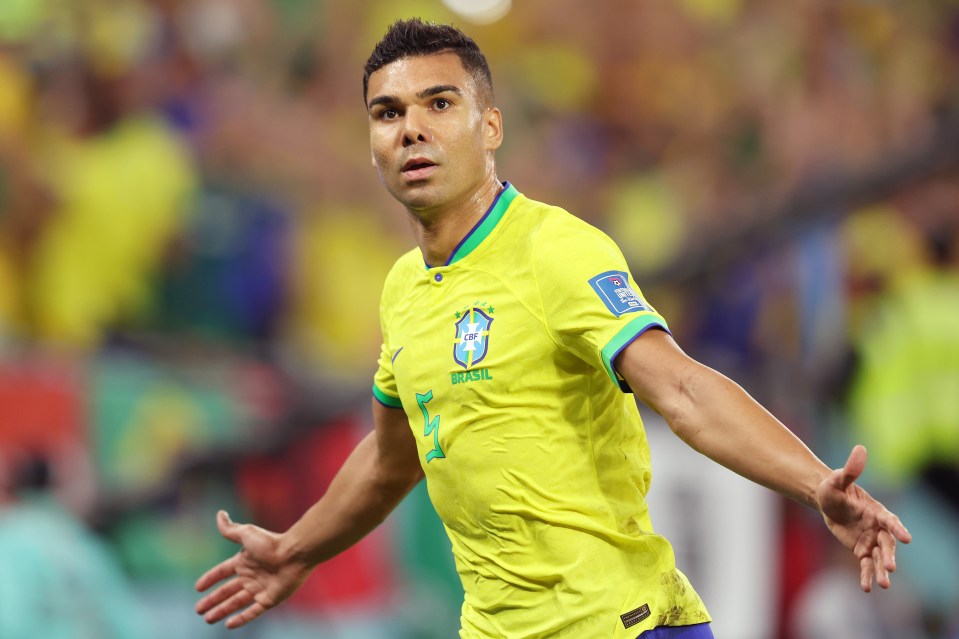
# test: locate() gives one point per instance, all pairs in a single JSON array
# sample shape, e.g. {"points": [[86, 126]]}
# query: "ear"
{"points": [[493, 128]]}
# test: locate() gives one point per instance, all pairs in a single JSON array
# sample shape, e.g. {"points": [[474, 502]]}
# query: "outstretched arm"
{"points": [[270, 566], [719, 419]]}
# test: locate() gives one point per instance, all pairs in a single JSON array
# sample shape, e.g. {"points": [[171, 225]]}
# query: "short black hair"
{"points": [[413, 37]]}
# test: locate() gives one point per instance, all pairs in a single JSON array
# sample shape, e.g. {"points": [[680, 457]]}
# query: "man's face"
{"points": [[432, 131]]}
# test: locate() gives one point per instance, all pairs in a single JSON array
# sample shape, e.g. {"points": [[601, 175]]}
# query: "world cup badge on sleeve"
{"points": [[618, 296]]}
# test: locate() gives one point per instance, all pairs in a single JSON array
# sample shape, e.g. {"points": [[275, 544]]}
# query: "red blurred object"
{"points": [[41, 407], [278, 489], [801, 557]]}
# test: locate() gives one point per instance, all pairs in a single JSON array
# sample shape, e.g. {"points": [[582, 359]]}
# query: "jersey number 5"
{"points": [[430, 426]]}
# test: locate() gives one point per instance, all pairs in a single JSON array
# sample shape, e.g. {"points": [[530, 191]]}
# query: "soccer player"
{"points": [[513, 336]]}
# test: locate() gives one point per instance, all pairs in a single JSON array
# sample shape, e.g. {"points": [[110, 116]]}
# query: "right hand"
{"points": [[259, 576]]}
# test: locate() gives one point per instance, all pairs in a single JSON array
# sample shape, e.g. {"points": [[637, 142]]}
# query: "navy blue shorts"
{"points": [[695, 631]]}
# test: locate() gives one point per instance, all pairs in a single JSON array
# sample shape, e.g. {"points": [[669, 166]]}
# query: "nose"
{"points": [[416, 128]]}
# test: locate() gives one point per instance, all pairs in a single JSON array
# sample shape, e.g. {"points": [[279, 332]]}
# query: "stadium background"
{"points": [[192, 246]]}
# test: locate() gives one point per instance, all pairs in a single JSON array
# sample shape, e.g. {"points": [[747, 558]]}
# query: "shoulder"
{"points": [[402, 276], [558, 235], [406, 266], [537, 221]]}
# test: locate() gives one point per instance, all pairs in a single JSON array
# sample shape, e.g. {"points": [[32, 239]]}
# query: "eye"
{"points": [[441, 104], [389, 114]]}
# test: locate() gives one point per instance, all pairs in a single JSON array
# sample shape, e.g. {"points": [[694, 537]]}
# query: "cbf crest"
{"points": [[472, 330]]}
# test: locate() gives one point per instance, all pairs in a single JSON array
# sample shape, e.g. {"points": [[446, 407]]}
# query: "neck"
{"points": [[439, 231]]}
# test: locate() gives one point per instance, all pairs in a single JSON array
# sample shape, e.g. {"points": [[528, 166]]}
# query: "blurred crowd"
{"points": [[193, 243]]}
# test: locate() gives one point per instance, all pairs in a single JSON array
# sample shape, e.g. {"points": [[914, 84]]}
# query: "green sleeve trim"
{"points": [[624, 338], [387, 400]]}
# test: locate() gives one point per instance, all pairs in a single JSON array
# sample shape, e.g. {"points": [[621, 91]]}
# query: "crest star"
{"points": [[458, 314]]}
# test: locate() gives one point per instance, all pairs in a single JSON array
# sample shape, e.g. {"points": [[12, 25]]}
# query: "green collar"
{"points": [[486, 224]]}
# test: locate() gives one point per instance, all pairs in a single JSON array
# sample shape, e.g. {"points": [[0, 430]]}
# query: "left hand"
{"points": [[860, 522]]}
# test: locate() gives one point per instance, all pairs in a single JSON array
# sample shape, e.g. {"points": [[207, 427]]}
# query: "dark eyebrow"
{"points": [[425, 93], [439, 88], [382, 99]]}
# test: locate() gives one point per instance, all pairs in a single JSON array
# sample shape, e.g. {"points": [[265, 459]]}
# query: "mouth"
{"points": [[417, 168]]}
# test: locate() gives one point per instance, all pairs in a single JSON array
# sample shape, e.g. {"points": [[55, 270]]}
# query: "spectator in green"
{"points": [[58, 581], [903, 400]]}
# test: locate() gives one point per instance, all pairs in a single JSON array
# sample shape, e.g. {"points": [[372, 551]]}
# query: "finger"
{"points": [[866, 544], [890, 522], [221, 571], [887, 548], [218, 596], [227, 528], [228, 607], [882, 575], [246, 616], [855, 464], [866, 573]]}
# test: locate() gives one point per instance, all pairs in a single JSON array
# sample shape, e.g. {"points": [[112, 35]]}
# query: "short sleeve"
{"points": [[591, 303], [384, 384]]}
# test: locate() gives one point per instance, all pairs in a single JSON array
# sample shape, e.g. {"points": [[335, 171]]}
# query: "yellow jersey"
{"points": [[535, 459]]}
